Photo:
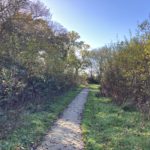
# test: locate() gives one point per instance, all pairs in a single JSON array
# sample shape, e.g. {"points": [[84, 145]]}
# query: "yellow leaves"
{"points": [[23, 16], [146, 53]]}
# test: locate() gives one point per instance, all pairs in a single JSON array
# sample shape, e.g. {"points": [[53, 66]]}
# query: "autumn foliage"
{"points": [[127, 77], [37, 55]]}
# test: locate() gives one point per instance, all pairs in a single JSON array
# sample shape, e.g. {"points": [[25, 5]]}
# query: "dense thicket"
{"points": [[124, 70], [37, 55]]}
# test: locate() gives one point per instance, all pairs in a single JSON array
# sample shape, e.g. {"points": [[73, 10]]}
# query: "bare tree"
{"points": [[9, 7], [38, 10]]}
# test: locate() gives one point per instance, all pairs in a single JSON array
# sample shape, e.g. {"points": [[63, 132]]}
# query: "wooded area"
{"points": [[39, 58], [123, 70]]}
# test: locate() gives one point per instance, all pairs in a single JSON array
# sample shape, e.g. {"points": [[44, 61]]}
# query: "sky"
{"points": [[99, 22]]}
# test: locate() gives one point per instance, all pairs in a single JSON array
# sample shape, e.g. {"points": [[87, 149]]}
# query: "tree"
{"points": [[98, 59]]}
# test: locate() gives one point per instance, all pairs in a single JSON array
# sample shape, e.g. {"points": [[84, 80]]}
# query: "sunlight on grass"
{"points": [[108, 127], [35, 125], [93, 87]]}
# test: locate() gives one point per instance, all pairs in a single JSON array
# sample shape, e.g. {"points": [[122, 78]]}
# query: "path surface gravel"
{"points": [[66, 133]]}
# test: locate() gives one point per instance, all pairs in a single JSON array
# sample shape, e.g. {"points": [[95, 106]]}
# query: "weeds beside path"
{"points": [[108, 127], [34, 125]]}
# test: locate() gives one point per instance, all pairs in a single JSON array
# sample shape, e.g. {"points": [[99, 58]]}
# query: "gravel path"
{"points": [[66, 133]]}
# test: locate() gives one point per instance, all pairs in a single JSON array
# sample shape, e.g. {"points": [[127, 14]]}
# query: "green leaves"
{"points": [[126, 78], [106, 126]]}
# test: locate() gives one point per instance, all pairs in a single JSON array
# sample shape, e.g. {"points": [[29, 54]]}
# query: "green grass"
{"points": [[108, 127], [34, 125]]}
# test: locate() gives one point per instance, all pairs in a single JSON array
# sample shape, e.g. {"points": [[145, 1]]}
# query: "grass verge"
{"points": [[34, 125], [108, 127]]}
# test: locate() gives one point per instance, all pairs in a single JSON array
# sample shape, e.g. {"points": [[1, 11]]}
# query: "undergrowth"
{"points": [[108, 127], [34, 124]]}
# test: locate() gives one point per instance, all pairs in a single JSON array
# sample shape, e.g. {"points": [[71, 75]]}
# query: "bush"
{"points": [[127, 77]]}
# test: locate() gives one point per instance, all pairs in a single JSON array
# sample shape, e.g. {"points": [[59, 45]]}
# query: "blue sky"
{"points": [[99, 22]]}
